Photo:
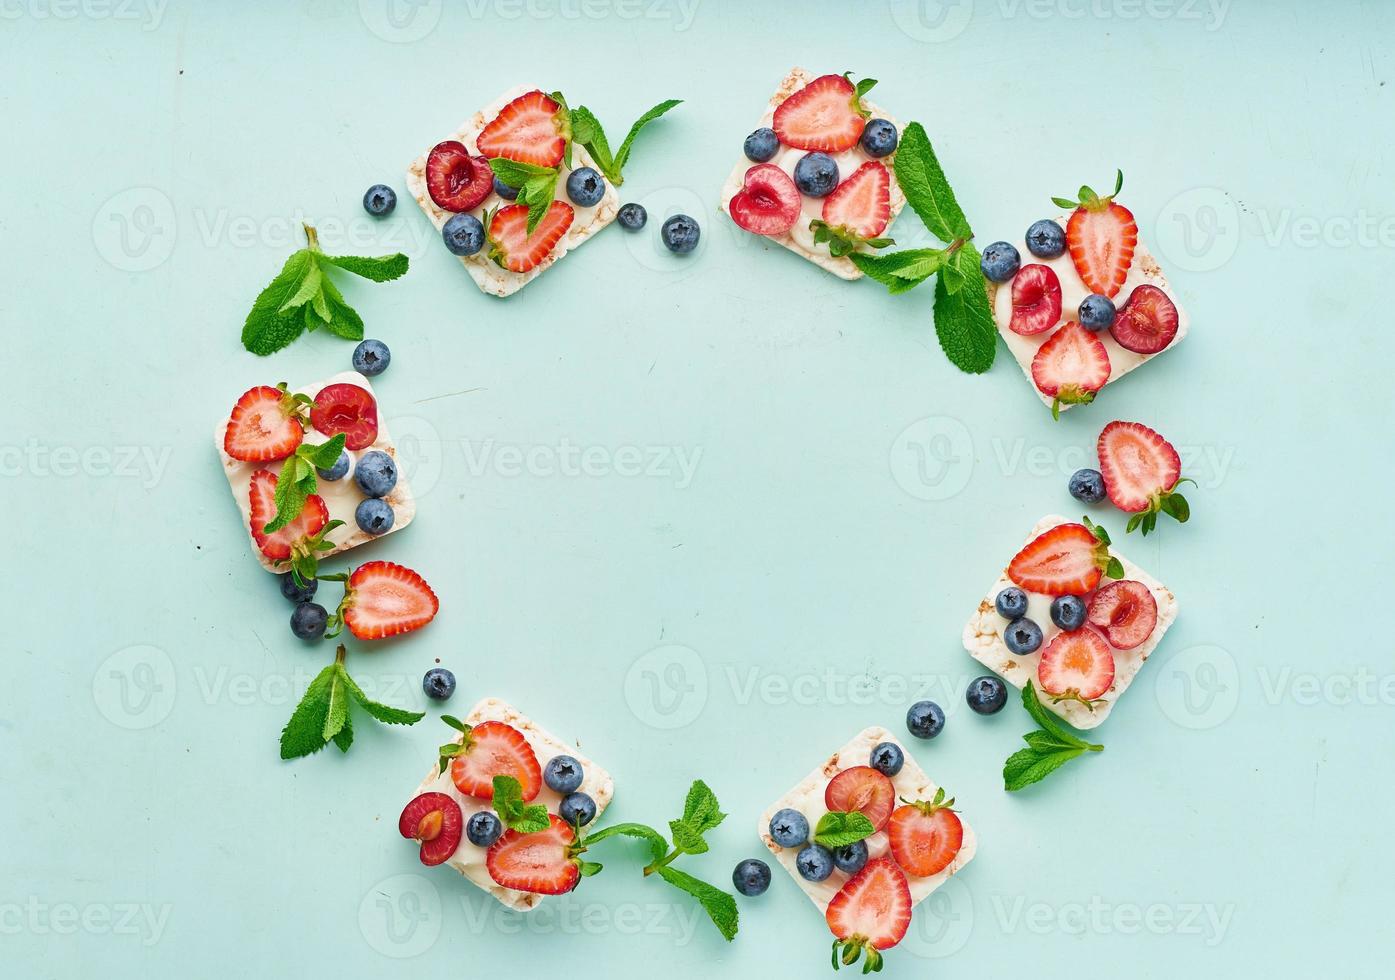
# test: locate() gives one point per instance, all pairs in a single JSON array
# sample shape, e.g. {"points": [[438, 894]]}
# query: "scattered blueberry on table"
{"points": [[379, 200], [925, 719]]}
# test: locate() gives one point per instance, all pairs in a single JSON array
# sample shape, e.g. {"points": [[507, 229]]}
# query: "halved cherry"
{"points": [[863, 789], [455, 180], [433, 819], [349, 409], [1147, 323], [1126, 612], [1036, 300]]}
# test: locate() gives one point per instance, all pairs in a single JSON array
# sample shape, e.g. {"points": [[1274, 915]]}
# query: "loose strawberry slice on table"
{"points": [[925, 835], [826, 114], [768, 202], [265, 425], [1076, 666], [298, 536], [1071, 367], [1141, 473], [434, 819], [349, 409], [512, 247], [532, 128], [1036, 300], [870, 913], [1068, 559], [1125, 612], [491, 749], [384, 599], [544, 862], [1148, 321], [455, 180], [1101, 236], [857, 211], [862, 789]]}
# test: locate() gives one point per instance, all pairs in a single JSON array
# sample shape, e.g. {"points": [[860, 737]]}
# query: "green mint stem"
{"points": [[340, 654], [312, 237], [664, 863]]}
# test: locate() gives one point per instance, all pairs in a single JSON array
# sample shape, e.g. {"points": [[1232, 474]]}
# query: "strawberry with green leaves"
{"points": [[1068, 559], [870, 913], [1142, 472], [925, 835], [382, 599], [826, 115], [1101, 235], [1071, 367], [857, 211], [487, 752]]}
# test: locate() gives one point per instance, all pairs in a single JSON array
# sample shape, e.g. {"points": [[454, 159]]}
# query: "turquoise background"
{"points": [[853, 493]]}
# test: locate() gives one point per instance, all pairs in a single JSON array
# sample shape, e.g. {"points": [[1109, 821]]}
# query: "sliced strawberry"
{"points": [[768, 202], [543, 862], [925, 835], [1101, 236], [1036, 300], [1141, 473], [862, 202], [825, 115], [1076, 666], [862, 789], [433, 819], [491, 749], [1126, 612], [1070, 367], [282, 544], [349, 409], [871, 912], [384, 599], [1068, 559], [265, 425], [512, 247], [532, 128], [455, 180], [1148, 321]]}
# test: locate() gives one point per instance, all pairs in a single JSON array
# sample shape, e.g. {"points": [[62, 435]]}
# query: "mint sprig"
{"points": [[513, 812], [587, 130], [836, 830], [537, 186], [323, 713], [1047, 750]]}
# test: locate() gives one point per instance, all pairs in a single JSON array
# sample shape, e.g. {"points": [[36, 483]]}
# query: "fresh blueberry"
{"points": [[925, 719], [338, 471], [483, 828], [1068, 612], [850, 858], [379, 200], [751, 877], [376, 474], [1046, 239], [504, 190], [438, 683], [297, 592], [986, 695], [815, 862], [761, 145], [879, 137], [632, 216], [680, 234], [374, 516], [1000, 262], [1011, 602], [563, 774], [371, 357], [887, 758], [1087, 486], [463, 234], [789, 828], [577, 809], [308, 620], [1022, 636], [816, 174], [1096, 312], [585, 187]]}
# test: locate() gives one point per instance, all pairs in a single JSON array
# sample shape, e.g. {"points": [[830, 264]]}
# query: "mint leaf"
{"points": [[516, 174], [345, 736], [1047, 750], [700, 809], [383, 268], [903, 270], [927, 191], [622, 155], [304, 733], [586, 130], [268, 329], [343, 320], [658, 845], [308, 289], [687, 838], [841, 829], [719, 906], [294, 486], [1048, 721], [384, 713], [515, 814], [1027, 766], [337, 713], [963, 321], [324, 455]]}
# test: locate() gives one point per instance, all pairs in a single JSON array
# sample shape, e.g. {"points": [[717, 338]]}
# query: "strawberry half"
{"points": [[512, 247], [864, 790], [383, 599], [768, 202], [1071, 367], [870, 913], [1068, 559], [857, 211], [826, 114], [491, 749], [1126, 612], [299, 537], [349, 409], [455, 180], [925, 835], [544, 862], [265, 425], [1076, 666], [1141, 473], [433, 819], [1101, 236], [532, 128], [1148, 321], [1036, 300]]}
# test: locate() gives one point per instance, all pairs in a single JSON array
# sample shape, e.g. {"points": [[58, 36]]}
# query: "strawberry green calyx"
{"points": [[452, 749], [1073, 694], [928, 807], [1070, 395], [1112, 567], [859, 90], [1087, 198], [1168, 502], [846, 952], [305, 554], [842, 240]]}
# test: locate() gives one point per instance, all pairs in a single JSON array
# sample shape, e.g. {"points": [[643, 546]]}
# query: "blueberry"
{"points": [[371, 357], [1000, 262], [816, 174], [463, 234], [1087, 486], [789, 828], [308, 620], [585, 187], [1096, 312], [815, 862], [376, 473], [1011, 602], [761, 145], [878, 137], [1022, 636], [438, 683], [295, 591], [504, 190], [1068, 612], [680, 234], [338, 471], [379, 200], [751, 877], [577, 809], [851, 858], [1046, 239], [986, 695], [563, 774], [925, 719], [632, 216], [483, 828], [887, 758], [374, 516]]}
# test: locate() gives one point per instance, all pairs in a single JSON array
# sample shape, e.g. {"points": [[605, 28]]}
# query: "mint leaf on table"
{"points": [[836, 830], [513, 812], [384, 713], [904, 270], [622, 155], [322, 716], [658, 844], [270, 325], [587, 130], [383, 268], [1047, 750], [719, 905], [305, 732], [963, 320], [927, 191]]}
